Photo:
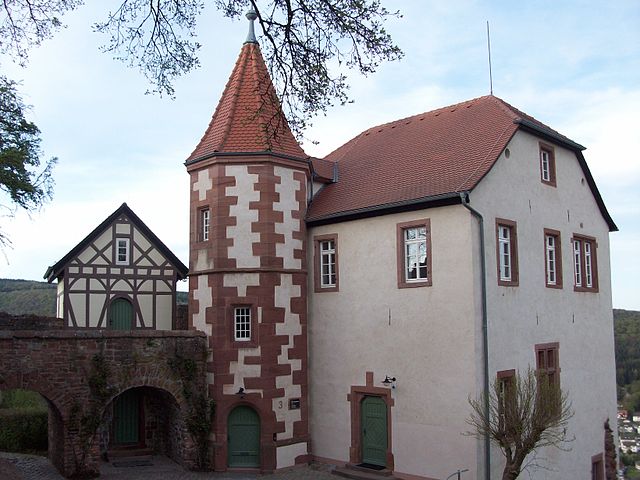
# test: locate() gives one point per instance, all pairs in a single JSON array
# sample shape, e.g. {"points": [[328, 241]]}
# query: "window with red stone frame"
{"points": [[552, 258], [205, 224], [243, 325], [414, 254], [585, 263], [325, 263], [547, 361], [597, 467], [506, 379], [507, 252], [547, 165]]}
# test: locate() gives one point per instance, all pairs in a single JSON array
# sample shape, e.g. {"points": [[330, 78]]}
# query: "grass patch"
{"points": [[22, 399]]}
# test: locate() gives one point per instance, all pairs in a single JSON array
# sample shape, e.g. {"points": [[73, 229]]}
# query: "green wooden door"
{"points": [[243, 447], [121, 314], [126, 409], [374, 431]]}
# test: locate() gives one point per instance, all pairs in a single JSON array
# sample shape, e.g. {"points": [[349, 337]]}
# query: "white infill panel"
{"points": [[291, 328], [287, 204], [203, 184], [243, 237]]}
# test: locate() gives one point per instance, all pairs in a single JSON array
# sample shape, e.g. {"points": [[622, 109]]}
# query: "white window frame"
{"points": [[242, 323], [328, 275], [545, 167], [506, 252], [552, 260], [588, 266], [421, 267], [577, 262], [205, 223], [122, 242]]}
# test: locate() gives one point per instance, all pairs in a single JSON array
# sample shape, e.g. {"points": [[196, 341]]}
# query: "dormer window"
{"points": [[122, 251]]}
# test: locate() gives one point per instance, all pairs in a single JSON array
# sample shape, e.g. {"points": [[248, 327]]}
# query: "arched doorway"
{"points": [[374, 431], [126, 419], [243, 446], [121, 314]]}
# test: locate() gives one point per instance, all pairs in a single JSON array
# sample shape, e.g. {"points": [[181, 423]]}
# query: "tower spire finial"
{"points": [[251, 16]]}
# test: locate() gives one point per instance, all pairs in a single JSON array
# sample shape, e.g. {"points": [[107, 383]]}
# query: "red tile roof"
{"points": [[433, 154], [248, 117]]}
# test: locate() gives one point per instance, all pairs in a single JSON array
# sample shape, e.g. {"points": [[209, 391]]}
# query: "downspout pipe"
{"points": [[464, 199]]}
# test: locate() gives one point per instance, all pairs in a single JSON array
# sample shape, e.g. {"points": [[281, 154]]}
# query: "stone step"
{"points": [[130, 452], [356, 472]]}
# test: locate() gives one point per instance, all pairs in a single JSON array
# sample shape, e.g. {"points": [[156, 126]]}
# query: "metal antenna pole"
{"points": [[489, 50]]}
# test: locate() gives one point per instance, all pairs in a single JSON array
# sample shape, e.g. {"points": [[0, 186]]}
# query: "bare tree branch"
{"points": [[526, 412]]}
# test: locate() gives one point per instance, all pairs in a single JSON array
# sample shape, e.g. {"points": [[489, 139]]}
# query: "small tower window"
{"points": [[205, 221]]}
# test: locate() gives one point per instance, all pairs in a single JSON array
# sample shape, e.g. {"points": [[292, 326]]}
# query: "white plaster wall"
{"points": [[243, 237], [123, 228], [286, 455], [140, 239], [78, 304], [96, 302], [60, 299], [520, 317], [426, 337], [145, 303], [288, 204], [164, 313], [103, 240]]}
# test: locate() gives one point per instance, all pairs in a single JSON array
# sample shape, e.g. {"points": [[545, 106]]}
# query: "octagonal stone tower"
{"points": [[248, 277]]}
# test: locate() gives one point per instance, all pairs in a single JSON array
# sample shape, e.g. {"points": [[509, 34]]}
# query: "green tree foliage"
{"points": [[24, 184], [526, 412], [627, 335], [23, 297], [306, 43]]}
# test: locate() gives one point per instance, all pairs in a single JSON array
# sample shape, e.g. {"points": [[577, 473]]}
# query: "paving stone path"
{"points": [[14, 466]]}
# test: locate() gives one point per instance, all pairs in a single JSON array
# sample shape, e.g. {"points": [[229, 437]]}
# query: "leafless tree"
{"points": [[306, 43], [526, 412]]}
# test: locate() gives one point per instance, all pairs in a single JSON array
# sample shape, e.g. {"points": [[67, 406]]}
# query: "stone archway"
{"points": [[80, 372], [161, 424]]}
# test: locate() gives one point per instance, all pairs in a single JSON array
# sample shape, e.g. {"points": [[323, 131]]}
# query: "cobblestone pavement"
{"points": [[14, 466]]}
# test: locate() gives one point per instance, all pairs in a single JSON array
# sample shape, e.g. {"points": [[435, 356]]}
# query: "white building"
{"points": [[417, 263]]}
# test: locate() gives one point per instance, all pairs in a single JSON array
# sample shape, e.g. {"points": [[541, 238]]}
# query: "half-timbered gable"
{"points": [[120, 276]]}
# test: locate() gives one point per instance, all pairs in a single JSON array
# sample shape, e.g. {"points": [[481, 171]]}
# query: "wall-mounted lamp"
{"points": [[458, 473], [240, 392], [389, 381]]}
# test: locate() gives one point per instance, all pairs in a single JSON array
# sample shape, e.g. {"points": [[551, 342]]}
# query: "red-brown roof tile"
{"points": [[435, 153], [248, 117]]}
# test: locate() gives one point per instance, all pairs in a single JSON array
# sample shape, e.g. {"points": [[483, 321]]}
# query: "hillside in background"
{"points": [[22, 297], [627, 337]]}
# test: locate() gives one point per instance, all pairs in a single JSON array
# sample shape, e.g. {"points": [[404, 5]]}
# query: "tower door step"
{"points": [[364, 472]]}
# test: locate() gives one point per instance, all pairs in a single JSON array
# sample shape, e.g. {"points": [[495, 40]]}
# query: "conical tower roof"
{"points": [[249, 117]]}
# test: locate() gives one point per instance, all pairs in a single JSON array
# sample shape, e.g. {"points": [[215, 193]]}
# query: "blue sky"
{"points": [[574, 65]]}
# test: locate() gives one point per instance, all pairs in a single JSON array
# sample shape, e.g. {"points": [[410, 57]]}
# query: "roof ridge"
{"points": [[429, 112]]}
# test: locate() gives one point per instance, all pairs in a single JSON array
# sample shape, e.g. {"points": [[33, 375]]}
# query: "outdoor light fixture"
{"points": [[389, 381], [240, 391]]}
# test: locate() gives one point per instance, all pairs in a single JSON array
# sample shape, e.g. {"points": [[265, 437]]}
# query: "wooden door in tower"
{"points": [[374, 431], [243, 446]]}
